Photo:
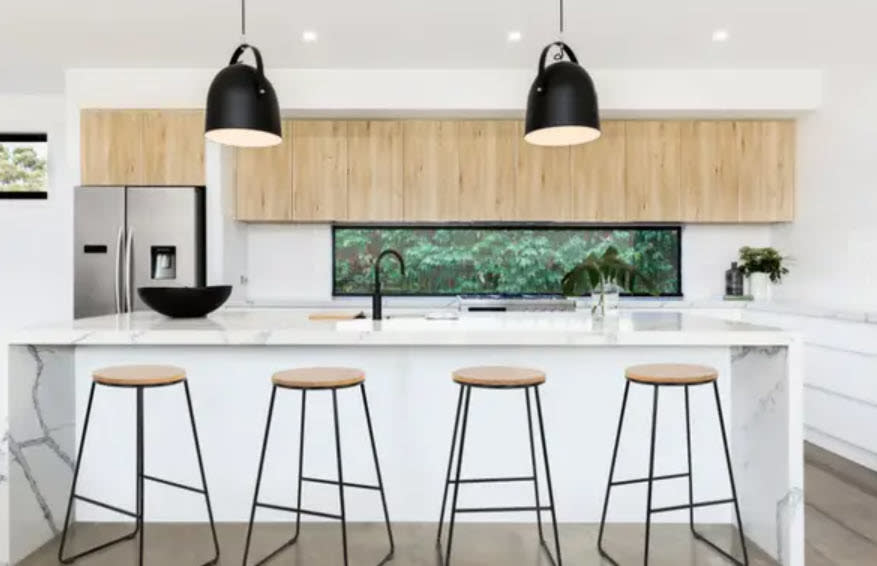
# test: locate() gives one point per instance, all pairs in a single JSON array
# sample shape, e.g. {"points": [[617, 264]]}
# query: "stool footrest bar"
{"points": [[494, 480], [502, 509], [173, 484], [106, 506], [690, 506], [346, 484], [644, 480], [296, 510]]}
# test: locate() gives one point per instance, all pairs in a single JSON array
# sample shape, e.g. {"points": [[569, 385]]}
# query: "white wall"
{"points": [[36, 250], [833, 241]]}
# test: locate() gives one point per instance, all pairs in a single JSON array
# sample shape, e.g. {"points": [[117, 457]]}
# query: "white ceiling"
{"points": [[39, 38]]}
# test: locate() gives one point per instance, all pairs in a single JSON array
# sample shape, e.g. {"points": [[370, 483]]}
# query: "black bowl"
{"points": [[185, 302]]}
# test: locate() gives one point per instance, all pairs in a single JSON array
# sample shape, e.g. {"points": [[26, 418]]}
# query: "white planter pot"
{"points": [[760, 286]]}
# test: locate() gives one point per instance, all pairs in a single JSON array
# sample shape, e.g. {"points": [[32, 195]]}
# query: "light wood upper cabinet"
{"points": [[543, 186], [319, 173], [599, 176], [766, 153], [264, 181], [653, 161], [142, 147], [173, 147], [431, 170], [710, 171], [111, 147], [487, 150], [374, 170]]}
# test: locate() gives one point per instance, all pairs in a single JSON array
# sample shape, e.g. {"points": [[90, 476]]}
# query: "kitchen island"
{"points": [[231, 355]]}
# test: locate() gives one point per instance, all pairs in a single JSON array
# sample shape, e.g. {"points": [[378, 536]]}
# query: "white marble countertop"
{"points": [[292, 327]]}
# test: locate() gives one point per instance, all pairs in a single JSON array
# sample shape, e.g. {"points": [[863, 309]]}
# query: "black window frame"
{"points": [[24, 137], [677, 228]]}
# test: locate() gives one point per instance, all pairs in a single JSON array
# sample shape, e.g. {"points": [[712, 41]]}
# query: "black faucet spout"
{"points": [[377, 300]]}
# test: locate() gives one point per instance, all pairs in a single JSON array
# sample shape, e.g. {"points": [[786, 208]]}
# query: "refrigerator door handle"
{"points": [[129, 271], [117, 270]]}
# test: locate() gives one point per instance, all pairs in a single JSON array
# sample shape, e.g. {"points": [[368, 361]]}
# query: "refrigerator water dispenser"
{"points": [[164, 262]]}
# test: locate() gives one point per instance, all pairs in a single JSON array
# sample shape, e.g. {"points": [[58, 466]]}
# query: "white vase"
{"points": [[760, 286]]}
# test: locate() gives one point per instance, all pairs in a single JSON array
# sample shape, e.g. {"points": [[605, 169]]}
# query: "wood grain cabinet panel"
{"points": [[374, 170], [431, 170], [766, 153], [710, 171], [652, 163], [319, 173], [599, 176], [264, 181], [173, 147], [543, 187], [487, 150], [111, 147]]}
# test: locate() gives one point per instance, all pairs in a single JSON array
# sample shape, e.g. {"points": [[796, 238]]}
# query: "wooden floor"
{"points": [[841, 516]]}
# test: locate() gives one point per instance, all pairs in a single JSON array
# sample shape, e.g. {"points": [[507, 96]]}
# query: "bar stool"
{"points": [[497, 377], [140, 378], [319, 379], [673, 375]]}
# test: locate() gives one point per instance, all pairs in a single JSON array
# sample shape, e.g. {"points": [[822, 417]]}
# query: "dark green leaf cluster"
{"points": [[763, 260]]}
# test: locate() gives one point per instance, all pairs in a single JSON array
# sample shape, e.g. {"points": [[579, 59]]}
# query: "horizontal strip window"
{"points": [[23, 166], [494, 259]]}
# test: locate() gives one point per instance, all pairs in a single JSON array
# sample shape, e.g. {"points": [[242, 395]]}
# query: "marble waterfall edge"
{"points": [[37, 449]]}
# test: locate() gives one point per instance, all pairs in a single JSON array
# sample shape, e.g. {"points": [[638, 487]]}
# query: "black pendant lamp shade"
{"points": [[242, 108], [562, 106]]}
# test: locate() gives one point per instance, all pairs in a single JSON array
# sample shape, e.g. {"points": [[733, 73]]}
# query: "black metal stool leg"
{"points": [[734, 499], [533, 465], [468, 390], [142, 506], [259, 474], [340, 473], [203, 476], [651, 478], [371, 436], [301, 465], [438, 537], [612, 475], [551, 503], [690, 472]]}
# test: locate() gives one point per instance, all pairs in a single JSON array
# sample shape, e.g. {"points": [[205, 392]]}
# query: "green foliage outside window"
{"points": [[22, 168], [490, 259]]}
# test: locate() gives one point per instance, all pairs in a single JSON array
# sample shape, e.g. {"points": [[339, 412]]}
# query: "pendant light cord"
{"points": [[243, 21], [559, 55]]}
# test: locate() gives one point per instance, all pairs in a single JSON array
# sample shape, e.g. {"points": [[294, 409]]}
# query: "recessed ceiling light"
{"points": [[513, 36], [309, 36], [721, 35]]}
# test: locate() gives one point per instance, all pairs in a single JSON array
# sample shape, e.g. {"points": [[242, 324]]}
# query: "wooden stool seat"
{"points": [[499, 376], [671, 374], [139, 375], [318, 377]]}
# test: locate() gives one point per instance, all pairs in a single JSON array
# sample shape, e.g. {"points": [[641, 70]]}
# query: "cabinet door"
{"points": [[543, 188], [110, 147], [319, 170], [709, 171], [652, 153], [173, 147], [487, 169], [432, 170], [374, 170], [598, 176], [264, 181], [766, 152]]}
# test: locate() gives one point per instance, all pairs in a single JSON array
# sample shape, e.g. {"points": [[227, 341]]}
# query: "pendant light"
{"points": [[562, 106], [242, 108]]}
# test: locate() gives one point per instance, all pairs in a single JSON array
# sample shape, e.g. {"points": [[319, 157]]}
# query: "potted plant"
{"points": [[762, 267], [603, 276]]}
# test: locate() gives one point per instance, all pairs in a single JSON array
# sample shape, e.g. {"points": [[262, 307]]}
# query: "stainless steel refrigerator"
{"points": [[129, 237]]}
